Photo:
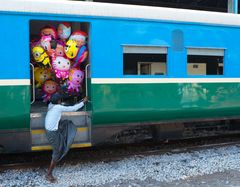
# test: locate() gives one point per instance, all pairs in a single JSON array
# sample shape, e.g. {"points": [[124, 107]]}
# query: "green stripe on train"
{"points": [[15, 107], [124, 103]]}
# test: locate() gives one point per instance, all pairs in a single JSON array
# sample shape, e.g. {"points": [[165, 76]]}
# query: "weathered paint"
{"points": [[15, 107], [126, 103]]}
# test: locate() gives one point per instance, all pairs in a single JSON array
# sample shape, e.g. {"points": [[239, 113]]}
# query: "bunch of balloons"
{"points": [[57, 56]]}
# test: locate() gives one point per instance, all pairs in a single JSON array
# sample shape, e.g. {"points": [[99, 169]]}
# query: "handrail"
{"points": [[86, 78], [33, 84]]}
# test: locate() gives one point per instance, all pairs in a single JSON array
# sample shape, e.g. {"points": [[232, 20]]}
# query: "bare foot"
{"points": [[50, 178]]}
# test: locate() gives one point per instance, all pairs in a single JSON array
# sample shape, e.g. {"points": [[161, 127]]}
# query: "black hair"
{"points": [[53, 44], [55, 98]]}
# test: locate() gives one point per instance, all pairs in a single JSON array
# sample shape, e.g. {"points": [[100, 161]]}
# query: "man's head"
{"points": [[56, 98]]}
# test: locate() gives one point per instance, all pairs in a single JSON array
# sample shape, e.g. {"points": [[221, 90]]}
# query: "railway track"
{"points": [[115, 153]]}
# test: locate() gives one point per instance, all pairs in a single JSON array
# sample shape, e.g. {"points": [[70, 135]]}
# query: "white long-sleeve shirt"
{"points": [[55, 112]]}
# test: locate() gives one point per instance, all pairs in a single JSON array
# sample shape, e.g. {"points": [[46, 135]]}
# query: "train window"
{"points": [[203, 61], [144, 60]]}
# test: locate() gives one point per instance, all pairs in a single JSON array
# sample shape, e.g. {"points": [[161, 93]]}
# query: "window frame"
{"points": [[145, 49], [218, 52]]}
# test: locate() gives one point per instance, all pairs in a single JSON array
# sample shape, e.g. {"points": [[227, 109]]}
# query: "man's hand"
{"points": [[85, 99]]}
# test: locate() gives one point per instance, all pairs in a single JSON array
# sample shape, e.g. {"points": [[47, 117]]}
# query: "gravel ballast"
{"points": [[163, 168]]}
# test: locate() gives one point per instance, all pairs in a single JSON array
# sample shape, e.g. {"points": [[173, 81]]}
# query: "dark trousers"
{"points": [[61, 139]]}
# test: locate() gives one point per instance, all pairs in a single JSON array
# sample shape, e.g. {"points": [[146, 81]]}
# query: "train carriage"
{"points": [[147, 68]]}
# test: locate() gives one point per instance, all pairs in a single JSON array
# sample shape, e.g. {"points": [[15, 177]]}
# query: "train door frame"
{"points": [[81, 119]]}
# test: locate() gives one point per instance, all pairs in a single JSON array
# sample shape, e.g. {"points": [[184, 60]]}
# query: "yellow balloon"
{"points": [[40, 55], [71, 49], [41, 75]]}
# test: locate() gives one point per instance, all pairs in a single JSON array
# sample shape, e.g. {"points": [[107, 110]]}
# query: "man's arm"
{"points": [[74, 107]]}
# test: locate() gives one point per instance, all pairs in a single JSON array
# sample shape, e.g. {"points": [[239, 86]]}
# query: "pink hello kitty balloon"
{"points": [[75, 79], [61, 67]]}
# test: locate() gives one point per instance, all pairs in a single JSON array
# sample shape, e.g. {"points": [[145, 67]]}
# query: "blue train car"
{"points": [[147, 68]]}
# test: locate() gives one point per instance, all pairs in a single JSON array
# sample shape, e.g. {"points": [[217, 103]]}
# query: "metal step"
{"points": [[81, 119], [48, 147]]}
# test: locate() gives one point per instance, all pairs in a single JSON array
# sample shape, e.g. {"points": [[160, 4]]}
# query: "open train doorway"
{"points": [[59, 63]]}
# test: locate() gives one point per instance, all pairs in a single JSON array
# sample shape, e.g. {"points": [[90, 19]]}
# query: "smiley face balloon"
{"points": [[71, 49]]}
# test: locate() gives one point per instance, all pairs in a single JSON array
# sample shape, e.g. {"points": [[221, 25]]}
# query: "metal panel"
{"points": [[15, 141], [128, 103], [15, 106]]}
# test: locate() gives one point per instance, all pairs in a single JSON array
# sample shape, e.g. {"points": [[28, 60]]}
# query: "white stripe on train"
{"points": [[19, 82], [14, 82], [162, 80]]}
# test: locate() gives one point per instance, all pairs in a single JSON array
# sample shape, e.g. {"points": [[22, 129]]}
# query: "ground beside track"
{"points": [[205, 167], [228, 178]]}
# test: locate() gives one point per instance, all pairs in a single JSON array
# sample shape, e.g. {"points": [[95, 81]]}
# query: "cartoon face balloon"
{"points": [[41, 75], [49, 31], [40, 55], [49, 88], [75, 79], [79, 37], [49, 45], [76, 76], [61, 67], [45, 42], [71, 49], [64, 30]]}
